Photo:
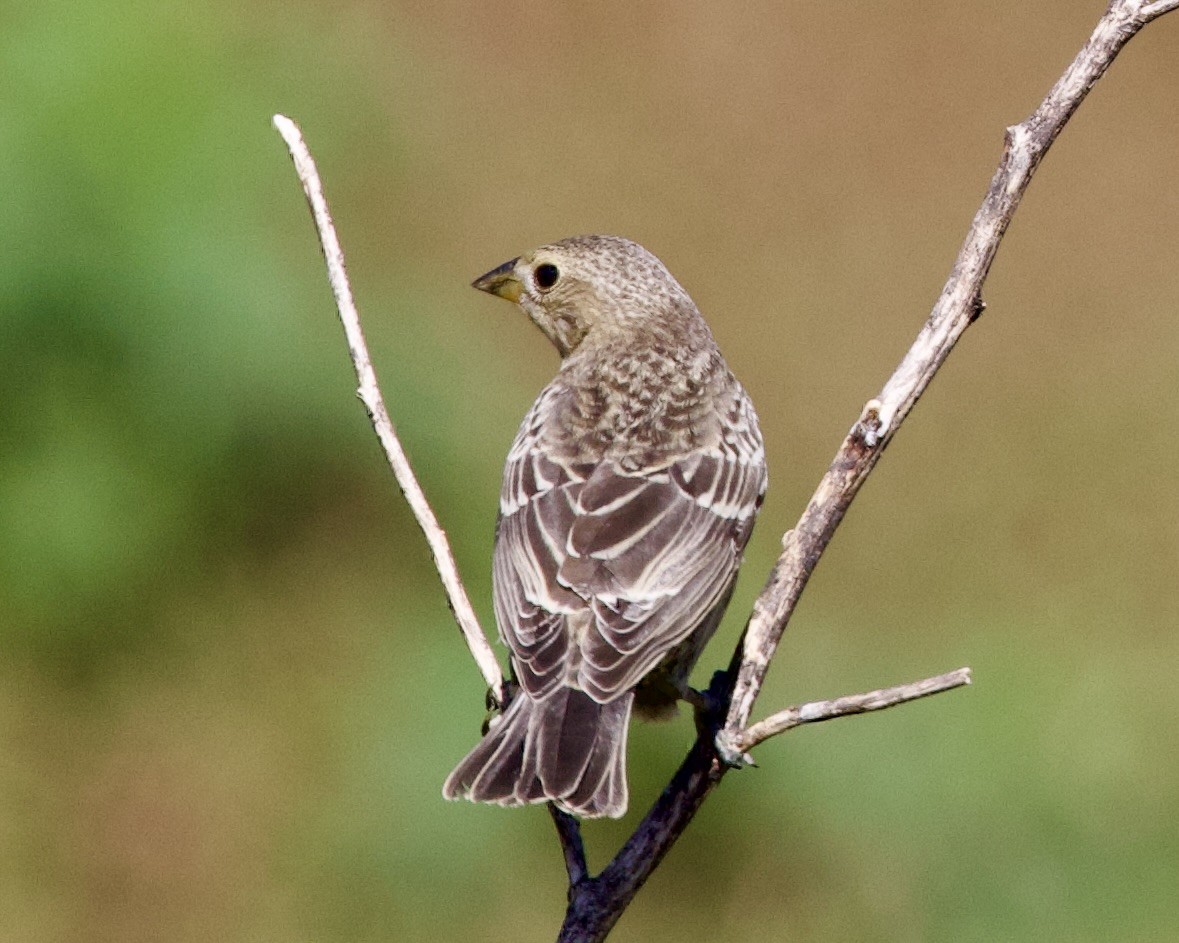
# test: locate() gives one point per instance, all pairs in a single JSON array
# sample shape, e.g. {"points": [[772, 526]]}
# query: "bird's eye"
{"points": [[546, 275]]}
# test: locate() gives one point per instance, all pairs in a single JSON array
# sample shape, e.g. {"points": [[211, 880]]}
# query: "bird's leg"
{"points": [[710, 708], [703, 709], [709, 705]]}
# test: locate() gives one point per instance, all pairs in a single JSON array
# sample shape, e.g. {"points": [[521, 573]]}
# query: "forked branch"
{"points": [[958, 306]]}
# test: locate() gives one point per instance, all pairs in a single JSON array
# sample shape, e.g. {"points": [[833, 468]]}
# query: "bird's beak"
{"points": [[501, 281]]}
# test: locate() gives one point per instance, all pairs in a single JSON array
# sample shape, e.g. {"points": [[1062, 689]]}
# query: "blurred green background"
{"points": [[230, 688]]}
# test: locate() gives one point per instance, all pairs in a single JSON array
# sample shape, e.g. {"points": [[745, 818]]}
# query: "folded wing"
{"points": [[600, 571]]}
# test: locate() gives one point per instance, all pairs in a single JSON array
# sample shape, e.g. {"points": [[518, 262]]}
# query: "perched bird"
{"points": [[628, 497]]}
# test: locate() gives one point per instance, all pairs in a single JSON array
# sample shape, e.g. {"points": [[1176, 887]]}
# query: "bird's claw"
{"points": [[728, 751]]}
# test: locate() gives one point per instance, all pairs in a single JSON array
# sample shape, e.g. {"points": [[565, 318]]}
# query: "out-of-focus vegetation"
{"points": [[229, 685]]}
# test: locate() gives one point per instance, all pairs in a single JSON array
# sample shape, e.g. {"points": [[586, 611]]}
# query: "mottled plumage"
{"points": [[628, 497]]}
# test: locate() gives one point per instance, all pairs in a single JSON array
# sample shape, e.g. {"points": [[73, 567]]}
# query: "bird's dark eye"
{"points": [[546, 275]]}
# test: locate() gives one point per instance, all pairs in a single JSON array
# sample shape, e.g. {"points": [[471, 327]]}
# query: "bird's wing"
{"points": [[532, 607], [603, 571], [655, 553]]}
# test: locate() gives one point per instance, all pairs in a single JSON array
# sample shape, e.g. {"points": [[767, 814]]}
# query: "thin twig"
{"points": [[370, 395], [1154, 10], [817, 711]]}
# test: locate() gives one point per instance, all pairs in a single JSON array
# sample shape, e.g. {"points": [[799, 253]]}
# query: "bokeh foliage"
{"points": [[229, 685]]}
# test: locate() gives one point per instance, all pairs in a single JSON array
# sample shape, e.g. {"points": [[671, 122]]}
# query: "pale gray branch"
{"points": [[817, 711], [370, 395], [959, 304]]}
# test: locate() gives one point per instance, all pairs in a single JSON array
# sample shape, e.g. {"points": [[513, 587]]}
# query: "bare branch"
{"points": [[370, 395], [817, 711], [958, 306]]}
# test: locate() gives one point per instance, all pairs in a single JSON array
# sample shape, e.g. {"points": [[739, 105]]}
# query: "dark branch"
{"points": [[572, 847], [596, 904]]}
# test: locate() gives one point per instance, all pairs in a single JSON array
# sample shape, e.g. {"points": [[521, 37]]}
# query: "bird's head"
{"points": [[596, 287]]}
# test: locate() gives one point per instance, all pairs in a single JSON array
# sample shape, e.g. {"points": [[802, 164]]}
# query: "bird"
{"points": [[628, 497]]}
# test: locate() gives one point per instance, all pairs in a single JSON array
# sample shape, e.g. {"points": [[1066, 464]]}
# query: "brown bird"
{"points": [[628, 498]]}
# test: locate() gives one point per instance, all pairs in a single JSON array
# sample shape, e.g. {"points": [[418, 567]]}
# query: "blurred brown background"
{"points": [[229, 685]]}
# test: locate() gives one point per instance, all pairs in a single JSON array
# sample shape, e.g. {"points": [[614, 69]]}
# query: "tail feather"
{"points": [[566, 748], [603, 787], [566, 739]]}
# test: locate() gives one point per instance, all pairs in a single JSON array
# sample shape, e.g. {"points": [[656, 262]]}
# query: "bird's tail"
{"points": [[565, 748]]}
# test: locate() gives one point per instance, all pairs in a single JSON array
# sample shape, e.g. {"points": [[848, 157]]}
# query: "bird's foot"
{"points": [[729, 753]]}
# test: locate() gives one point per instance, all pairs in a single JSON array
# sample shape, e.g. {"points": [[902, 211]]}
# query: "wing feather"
{"points": [[601, 570]]}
